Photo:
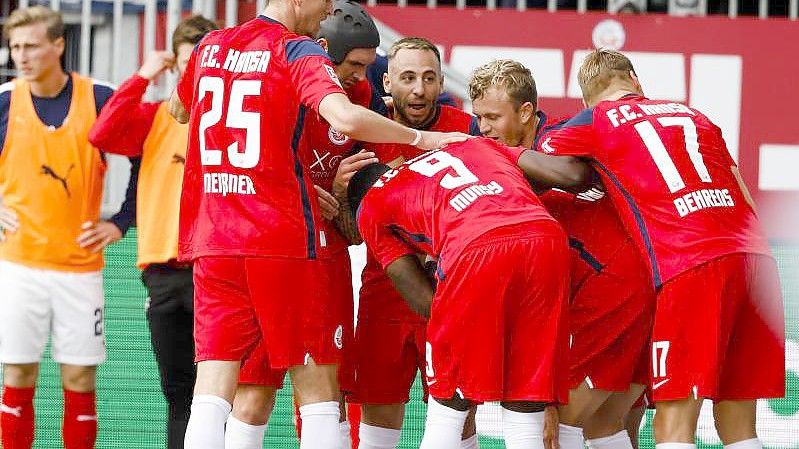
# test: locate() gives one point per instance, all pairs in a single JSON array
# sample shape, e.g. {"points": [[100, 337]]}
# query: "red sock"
{"points": [[80, 420], [16, 417]]}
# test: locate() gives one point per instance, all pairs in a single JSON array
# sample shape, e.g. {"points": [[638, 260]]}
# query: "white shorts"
{"points": [[36, 303]]}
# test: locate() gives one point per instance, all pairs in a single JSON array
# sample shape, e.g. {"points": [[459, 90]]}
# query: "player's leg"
{"points": [[523, 425], [225, 331], [316, 391], [444, 422], [247, 422], [16, 408], [605, 429], [79, 346], [584, 401], [25, 311], [170, 316], [469, 435], [381, 425], [735, 423]]}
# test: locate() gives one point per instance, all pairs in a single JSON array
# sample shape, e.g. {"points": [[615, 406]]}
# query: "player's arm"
{"points": [[566, 172], [124, 122], [184, 91], [742, 185], [411, 281]]}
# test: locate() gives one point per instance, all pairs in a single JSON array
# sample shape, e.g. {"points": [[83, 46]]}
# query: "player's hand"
{"points": [[9, 222], [327, 202], [96, 236], [432, 140], [551, 422], [348, 167], [156, 63]]}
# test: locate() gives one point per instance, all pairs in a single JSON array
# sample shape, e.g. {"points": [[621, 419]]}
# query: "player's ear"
{"points": [[526, 112], [636, 82], [323, 42], [386, 83], [59, 44]]}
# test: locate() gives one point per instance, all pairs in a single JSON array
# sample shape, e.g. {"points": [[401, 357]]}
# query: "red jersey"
{"points": [[440, 201], [374, 282], [668, 172], [322, 148], [592, 223], [245, 192]]}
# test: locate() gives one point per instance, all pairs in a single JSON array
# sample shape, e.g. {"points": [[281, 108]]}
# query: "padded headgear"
{"points": [[348, 27]]}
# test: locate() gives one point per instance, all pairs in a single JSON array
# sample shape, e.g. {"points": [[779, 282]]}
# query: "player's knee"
{"points": [[387, 416], [675, 421], [78, 378], [314, 383], [20, 376]]}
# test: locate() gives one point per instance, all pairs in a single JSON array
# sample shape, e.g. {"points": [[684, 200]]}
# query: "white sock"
{"points": [[675, 446], [206, 428], [470, 443], [320, 426], [344, 433], [523, 430], [374, 437], [619, 440], [240, 435], [752, 443], [443, 427], [570, 437]]}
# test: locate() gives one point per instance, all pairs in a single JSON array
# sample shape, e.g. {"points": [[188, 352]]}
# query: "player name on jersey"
{"points": [[236, 61], [227, 183], [627, 112], [470, 194], [702, 199]]}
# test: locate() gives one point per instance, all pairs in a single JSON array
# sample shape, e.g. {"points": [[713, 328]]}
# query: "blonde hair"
{"points": [[600, 69], [413, 43], [35, 14], [511, 75]]}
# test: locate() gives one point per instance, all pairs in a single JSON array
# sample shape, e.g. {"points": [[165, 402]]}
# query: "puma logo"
{"points": [[47, 170], [178, 159]]}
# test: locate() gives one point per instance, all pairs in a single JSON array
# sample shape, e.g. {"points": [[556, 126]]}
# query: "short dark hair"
{"points": [[191, 30], [361, 182]]}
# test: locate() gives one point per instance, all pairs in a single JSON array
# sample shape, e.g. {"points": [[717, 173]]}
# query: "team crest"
{"points": [[338, 337], [336, 137]]}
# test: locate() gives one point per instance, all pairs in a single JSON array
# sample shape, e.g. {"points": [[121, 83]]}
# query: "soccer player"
{"points": [[247, 219], [390, 336], [350, 38], [470, 207], [612, 300], [51, 235], [719, 329], [131, 127]]}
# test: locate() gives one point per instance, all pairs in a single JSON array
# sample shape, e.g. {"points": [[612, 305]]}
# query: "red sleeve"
{"points": [[574, 138], [185, 87], [384, 244], [385, 152], [124, 121], [311, 72]]}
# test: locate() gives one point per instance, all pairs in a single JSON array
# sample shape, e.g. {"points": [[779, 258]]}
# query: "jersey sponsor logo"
{"points": [[470, 194], [228, 183], [702, 199], [336, 137], [325, 164], [47, 170]]}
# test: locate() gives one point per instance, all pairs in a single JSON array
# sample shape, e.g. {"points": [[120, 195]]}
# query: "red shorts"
{"points": [[240, 301], [610, 320], [388, 354], [498, 324], [720, 333]]}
